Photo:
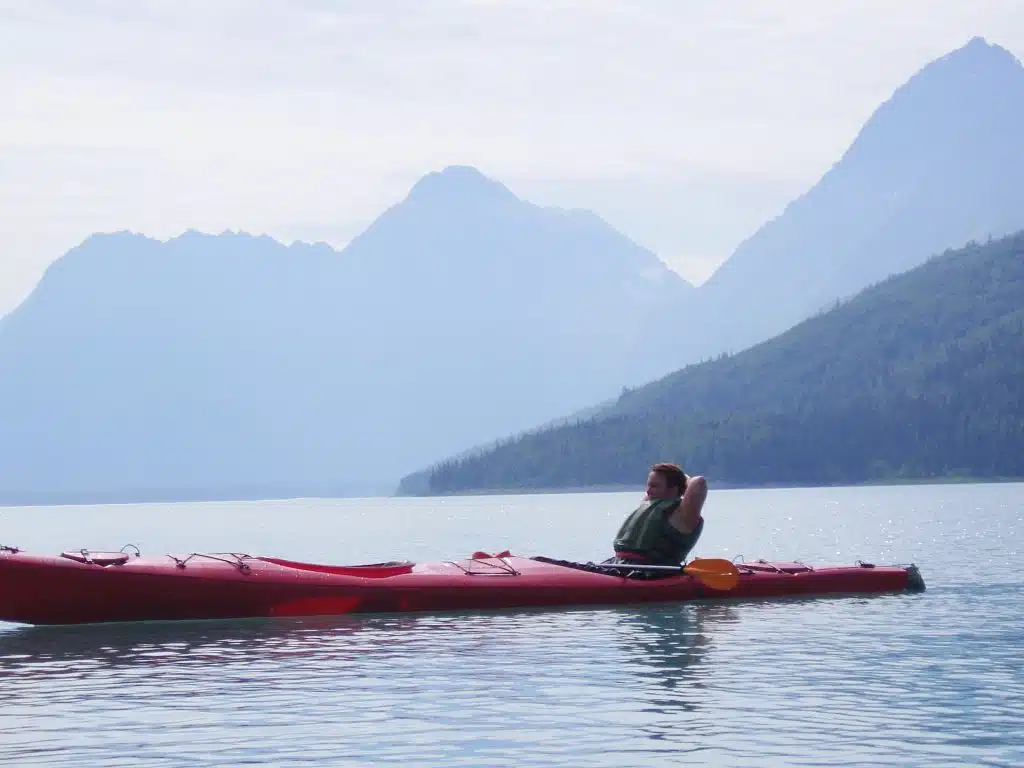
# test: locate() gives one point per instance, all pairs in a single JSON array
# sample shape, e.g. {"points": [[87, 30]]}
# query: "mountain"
{"points": [[919, 376], [936, 166], [235, 366]]}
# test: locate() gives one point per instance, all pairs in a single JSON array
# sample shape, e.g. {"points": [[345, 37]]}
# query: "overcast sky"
{"points": [[685, 124]]}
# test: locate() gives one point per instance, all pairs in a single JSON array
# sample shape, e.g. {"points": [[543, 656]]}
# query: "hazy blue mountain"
{"points": [[919, 376], [232, 365], [937, 165]]}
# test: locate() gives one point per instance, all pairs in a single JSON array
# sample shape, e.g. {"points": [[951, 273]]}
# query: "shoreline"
{"points": [[112, 499], [721, 486]]}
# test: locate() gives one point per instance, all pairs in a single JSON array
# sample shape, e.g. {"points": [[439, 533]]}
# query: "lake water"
{"points": [[905, 680]]}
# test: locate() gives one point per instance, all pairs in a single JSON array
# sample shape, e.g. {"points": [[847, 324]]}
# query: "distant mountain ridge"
{"points": [[206, 365], [232, 364], [921, 376]]}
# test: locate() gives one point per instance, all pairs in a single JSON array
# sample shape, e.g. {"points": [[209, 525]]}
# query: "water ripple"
{"points": [[904, 680], [830, 681]]}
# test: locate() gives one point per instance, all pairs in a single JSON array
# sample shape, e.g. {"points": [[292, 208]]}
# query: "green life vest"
{"points": [[647, 533]]}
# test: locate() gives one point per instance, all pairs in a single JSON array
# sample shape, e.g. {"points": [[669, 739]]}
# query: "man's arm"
{"points": [[687, 516]]}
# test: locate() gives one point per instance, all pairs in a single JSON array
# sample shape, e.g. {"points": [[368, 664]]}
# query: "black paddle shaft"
{"points": [[641, 567]]}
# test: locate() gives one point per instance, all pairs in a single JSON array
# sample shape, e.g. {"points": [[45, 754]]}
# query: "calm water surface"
{"points": [[905, 680]]}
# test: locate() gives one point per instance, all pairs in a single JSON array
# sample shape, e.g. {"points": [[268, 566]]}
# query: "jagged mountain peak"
{"points": [[934, 167]]}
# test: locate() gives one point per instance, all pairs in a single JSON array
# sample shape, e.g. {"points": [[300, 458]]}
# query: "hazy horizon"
{"points": [[685, 127]]}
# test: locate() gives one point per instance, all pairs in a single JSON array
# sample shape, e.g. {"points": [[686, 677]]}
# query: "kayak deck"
{"points": [[86, 587]]}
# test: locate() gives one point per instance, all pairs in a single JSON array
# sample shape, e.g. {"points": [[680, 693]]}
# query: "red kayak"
{"points": [[83, 587]]}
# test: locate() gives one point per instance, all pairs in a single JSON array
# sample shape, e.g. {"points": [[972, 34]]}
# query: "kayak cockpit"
{"points": [[369, 571]]}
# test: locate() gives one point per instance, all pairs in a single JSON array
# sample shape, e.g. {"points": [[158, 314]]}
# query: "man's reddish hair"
{"points": [[672, 473]]}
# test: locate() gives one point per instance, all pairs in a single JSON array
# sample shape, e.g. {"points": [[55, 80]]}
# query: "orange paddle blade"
{"points": [[717, 573]]}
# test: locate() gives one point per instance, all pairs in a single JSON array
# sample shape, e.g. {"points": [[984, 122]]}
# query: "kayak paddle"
{"points": [[716, 572]]}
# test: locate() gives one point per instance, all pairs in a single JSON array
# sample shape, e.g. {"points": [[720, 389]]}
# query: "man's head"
{"points": [[666, 481]]}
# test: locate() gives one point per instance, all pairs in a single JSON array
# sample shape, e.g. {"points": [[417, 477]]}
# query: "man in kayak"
{"points": [[666, 526]]}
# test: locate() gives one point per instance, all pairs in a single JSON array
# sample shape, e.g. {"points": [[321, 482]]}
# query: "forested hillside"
{"points": [[919, 376]]}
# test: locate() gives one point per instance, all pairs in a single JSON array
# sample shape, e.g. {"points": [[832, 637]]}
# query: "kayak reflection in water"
{"points": [[667, 525]]}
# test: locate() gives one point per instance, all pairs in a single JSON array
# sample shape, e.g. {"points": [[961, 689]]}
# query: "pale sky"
{"points": [[685, 124]]}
